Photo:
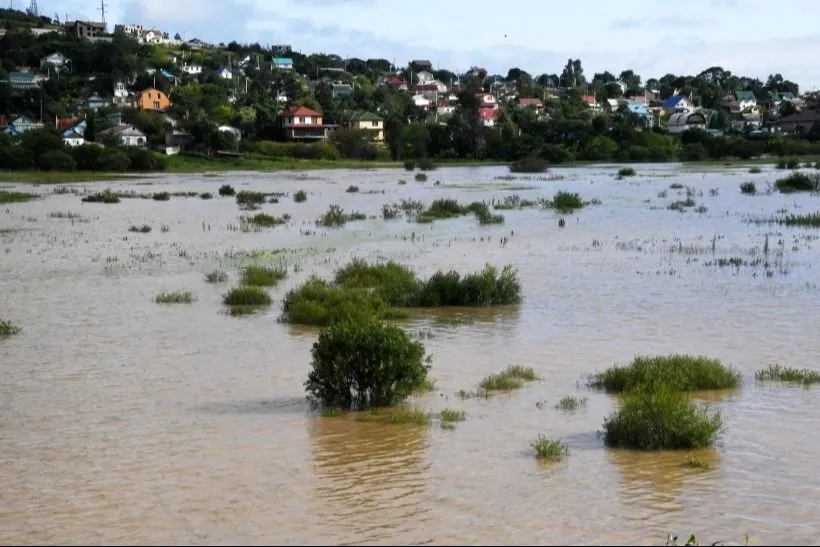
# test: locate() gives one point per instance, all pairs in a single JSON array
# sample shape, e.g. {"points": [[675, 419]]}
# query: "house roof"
{"points": [[589, 99], [299, 111], [426, 87], [783, 95], [421, 62], [745, 95], [804, 116], [672, 101], [71, 134], [487, 113], [637, 108], [282, 60], [529, 101], [362, 116]]}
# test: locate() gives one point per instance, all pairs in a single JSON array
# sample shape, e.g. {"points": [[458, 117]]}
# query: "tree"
{"points": [[364, 364]]}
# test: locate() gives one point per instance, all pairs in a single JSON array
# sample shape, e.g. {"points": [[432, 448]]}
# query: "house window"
{"points": [[156, 105], [301, 120], [374, 124]]}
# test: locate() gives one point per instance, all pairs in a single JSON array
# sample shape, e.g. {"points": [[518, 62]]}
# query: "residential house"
{"points": [[300, 123], [637, 112], [799, 123], [120, 93], [684, 121], [282, 63], [592, 103], [63, 124], [95, 102], [72, 138], [678, 104], [85, 29], [430, 91], [54, 60], [488, 116], [152, 99], [21, 124], [340, 91], [23, 80], [175, 141], [195, 43], [421, 101], [394, 82], [80, 128], [487, 101], [421, 64], [193, 69], [237, 134], [425, 77], [154, 37], [776, 98], [612, 105], [135, 31], [744, 101], [531, 102], [369, 122], [445, 107], [225, 73], [127, 134]]}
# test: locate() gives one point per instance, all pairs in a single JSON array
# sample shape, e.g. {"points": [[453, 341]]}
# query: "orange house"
{"points": [[152, 99]]}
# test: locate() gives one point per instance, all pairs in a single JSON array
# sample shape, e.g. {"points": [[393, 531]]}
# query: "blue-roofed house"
{"points": [[677, 103], [282, 63], [72, 138], [95, 102], [638, 112], [168, 75], [22, 80]]}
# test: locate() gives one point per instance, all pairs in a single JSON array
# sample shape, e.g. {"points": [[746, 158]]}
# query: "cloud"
{"points": [[662, 22]]}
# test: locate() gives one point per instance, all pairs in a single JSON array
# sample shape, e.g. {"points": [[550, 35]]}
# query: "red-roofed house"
{"points": [[300, 123], [487, 116], [396, 82], [590, 101], [487, 100], [531, 102]]}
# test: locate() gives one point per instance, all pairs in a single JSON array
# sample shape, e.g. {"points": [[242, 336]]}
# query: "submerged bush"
{"points": [[175, 297], [531, 164], [489, 287], [624, 172], [300, 196], [7, 328], [401, 414], [106, 196], [264, 220], [513, 377], [748, 188], [661, 418], [206, 195], [566, 202], [336, 216], [799, 182], [216, 276], [161, 196], [681, 372], [226, 190], [549, 449], [258, 276], [364, 364], [778, 373], [392, 282], [409, 165], [317, 302], [426, 164], [247, 296]]}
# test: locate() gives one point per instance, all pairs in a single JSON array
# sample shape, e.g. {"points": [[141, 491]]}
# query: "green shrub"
{"points": [[144, 229], [175, 297], [754, 170], [799, 182], [811, 220], [352, 189], [247, 296], [317, 302], [531, 164], [57, 160], [748, 188], [778, 373], [364, 364], [300, 196], [624, 172], [513, 377], [420, 177], [571, 403], [567, 202], [258, 276], [682, 372], [394, 283], [246, 197], [206, 195], [661, 418], [226, 190], [264, 220], [161, 196], [409, 165], [549, 449], [106, 196], [426, 164], [336, 217], [7, 328], [489, 287]]}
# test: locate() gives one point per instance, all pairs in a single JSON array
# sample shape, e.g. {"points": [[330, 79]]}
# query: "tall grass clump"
{"points": [[393, 283], [681, 372], [226, 190], [420, 177], [247, 296], [401, 414], [513, 377], [799, 182], [161, 196], [264, 220], [531, 164], [206, 195], [7, 328], [661, 418], [175, 297], [352, 189], [258, 276], [144, 229], [778, 373], [748, 188], [489, 287], [319, 303], [570, 403], [336, 217], [16, 197], [247, 197], [624, 172], [216, 276], [106, 196], [566, 202], [549, 449], [809, 220], [300, 196]]}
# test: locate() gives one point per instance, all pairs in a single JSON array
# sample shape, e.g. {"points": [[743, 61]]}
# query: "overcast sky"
{"points": [[748, 37]]}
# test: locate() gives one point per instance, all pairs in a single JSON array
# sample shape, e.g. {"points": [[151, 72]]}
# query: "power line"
{"points": [[101, 9]]}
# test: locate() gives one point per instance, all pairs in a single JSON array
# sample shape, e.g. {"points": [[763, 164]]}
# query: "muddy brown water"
{"points": [[124, 421]]}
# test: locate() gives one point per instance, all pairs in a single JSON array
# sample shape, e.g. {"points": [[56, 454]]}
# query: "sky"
{"points": [[748, 37]]}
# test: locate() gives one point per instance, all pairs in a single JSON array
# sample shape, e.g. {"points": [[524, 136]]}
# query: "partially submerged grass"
{"points": [[106, 196], [549, 449], [352, 189], [513, 377], [442, 209], [401, 414], [571, 403], [247, 296], [300, 196], [778, 373], [661, 418], [566, 202], [161, 196], [624, 172], [247, 197], [682, 372], [143, 229], [799, 182], [264, 220], [175, 297], [16, 197], [809, 220], [336, 217], [216, 276], [748, 188], [7, 328], [206, 195], [695, 463], [427, 386], [259, 276], [755, 170]]}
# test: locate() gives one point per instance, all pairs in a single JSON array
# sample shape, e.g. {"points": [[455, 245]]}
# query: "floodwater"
{"points": [[127, 422]]}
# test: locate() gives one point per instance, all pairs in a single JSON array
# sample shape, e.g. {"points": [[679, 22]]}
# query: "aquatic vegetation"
{"points": [[681, 372], [695, 463], [566, 202], [514, 201], [425, 164], [778, 373], [246, 197], [624, 172], [175, 297], [450, 208], [216, 276], [352, 189], [300, 196], [258, 276], [420, 177], [364, 364], [401, 414], [798, 182], [106, 196], [7, 328], [661, 417], [143, 229], [788, 163], [571, 403], [67, 215], [161, 196], [409, 165], [206, 195], [264, 220], [810, 220], [513, 377], [748, 188], [320, 303], [530, 164], [247, 296], [452, 415], [16, 197], [226, 190], [336, 217], [549, 449], [755, 170]]}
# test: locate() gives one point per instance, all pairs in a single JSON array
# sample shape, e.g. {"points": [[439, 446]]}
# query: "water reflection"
{"points": [[371, 479]]}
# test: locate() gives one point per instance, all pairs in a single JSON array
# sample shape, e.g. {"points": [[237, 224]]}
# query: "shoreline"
{"points": [[180, 165]]}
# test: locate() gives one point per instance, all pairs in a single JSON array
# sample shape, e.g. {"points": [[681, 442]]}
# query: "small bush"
{"points": [[513, 377], [624, 172], [682, 372], [336, 217], [175, 297], [755, 170], [300, 196], [548, 449], [226, 190], [489, 287], [409, 165], [352, 189], [426, 164], [778, 373], [317, 302], [247, 296], [531, 164], [144, 229], [799, 182], [748, 188], [421, 177], [571, 403], [264, 220], [216, 276], [7, 328], [566, 202], [106, 196], [257, 276], [161, 196], [246, 197], [661, 418], [364, 364], [206, 195]]}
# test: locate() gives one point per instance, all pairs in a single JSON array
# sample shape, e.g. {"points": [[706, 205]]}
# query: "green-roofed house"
{"points": [[341, 91], [744, 101], [282, 63], [369, 122]]}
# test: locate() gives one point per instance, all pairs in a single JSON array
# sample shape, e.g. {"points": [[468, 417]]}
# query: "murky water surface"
{"points": [[124, 421]]}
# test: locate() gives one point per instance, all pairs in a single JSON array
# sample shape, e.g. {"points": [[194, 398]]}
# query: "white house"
{"points": [[445, 108], [193, 70], [425, 77], [237, 134], [120, 93], [225, 73], [72, 138], [128, 134], [744, 101], [56, 60], [684, 121], [677, 104], [421, 101], [153, 37]]}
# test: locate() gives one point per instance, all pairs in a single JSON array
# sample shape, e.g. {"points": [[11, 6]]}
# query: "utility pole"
{"points": [[101, 9]]}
